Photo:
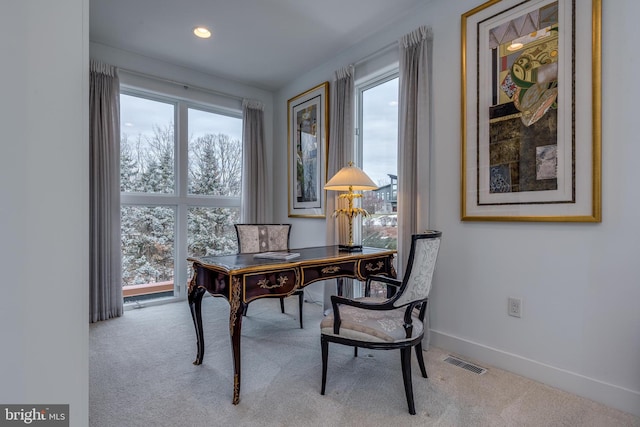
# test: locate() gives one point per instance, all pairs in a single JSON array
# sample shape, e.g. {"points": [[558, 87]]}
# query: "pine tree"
{"points": [[147, 165], [158, 174], [215, 163]]}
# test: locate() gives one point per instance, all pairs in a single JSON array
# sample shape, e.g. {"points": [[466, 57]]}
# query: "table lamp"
{"points": [[348, 179]]}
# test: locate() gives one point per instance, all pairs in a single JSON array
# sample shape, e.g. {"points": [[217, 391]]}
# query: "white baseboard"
{"points": [[609, 394]]}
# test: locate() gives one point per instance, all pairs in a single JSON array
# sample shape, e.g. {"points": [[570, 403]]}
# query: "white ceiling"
{"points": [[262, 43]]}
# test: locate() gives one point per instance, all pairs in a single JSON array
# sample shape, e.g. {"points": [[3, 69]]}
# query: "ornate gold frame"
{"points": [[586, 203]]}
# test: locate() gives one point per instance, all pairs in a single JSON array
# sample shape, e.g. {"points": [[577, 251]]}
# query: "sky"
{"points": [[138, 115], [380, 134], [380, 131]]}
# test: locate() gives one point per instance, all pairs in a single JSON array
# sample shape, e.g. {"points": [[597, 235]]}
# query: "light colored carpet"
{"points": [[141, 374]]}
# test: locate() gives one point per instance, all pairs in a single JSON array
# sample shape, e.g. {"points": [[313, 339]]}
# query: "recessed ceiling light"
{"points": [[202, 32]]}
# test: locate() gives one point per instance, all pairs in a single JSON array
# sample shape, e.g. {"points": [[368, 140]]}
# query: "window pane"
{"points": [[380, 161], [211, 231], [147, 145], [215, 154], [147, 244]]}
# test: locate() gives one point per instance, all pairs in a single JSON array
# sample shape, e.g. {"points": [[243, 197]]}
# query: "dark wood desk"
{"points": [[242, 278]]}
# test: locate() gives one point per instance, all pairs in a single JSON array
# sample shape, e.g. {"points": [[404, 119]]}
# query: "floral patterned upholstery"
{"points": [[253, 238], [424, 263], [371, 325]]}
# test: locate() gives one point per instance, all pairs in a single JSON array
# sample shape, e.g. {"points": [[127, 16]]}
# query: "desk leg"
{"points": [[237, 307], [195, 304], [236, 333]]}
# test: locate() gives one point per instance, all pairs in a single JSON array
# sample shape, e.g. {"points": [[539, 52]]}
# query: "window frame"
{"points": [[361, 85], [180, 200]]}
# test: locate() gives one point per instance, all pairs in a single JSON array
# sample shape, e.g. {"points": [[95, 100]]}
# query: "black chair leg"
{"points": [[282, 304], [423, 370], [355, 351], [300, 304], [325, 353], [405, 357]]}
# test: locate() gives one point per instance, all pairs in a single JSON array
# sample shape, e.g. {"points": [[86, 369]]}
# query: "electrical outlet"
{"points": [[515, 307]]}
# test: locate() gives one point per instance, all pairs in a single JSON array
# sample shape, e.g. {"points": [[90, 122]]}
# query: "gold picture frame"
{"points": [[308, 136], [531, 111]]}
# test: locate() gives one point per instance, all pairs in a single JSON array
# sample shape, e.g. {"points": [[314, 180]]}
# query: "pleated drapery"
{"points": [[105, 286], [414, 142], [255, 197], [341, 149], [413, 138], [341, 152]]}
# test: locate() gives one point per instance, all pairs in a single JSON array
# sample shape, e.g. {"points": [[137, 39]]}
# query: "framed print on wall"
{"points": [[307, 134], [531, 131]]}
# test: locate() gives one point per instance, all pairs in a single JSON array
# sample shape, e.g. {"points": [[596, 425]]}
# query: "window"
{"points": [[377, 145], [180, 179]]}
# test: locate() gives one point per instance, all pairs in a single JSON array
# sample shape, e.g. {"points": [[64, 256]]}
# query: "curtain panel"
{"points": [[414, 142], [341, 152], [105, 286], [341, 148], [413, 137], [255, 196]]}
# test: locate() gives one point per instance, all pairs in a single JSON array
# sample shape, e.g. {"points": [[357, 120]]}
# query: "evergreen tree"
{"points": [[215, 164], [158, 175], [147, 243], [147, 165], [128, 166]]}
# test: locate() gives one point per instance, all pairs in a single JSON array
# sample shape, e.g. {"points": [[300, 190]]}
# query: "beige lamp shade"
{"points": [[350, 178]]}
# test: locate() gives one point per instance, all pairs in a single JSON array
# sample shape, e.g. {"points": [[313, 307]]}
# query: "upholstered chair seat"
{"points": [[372, 325]]}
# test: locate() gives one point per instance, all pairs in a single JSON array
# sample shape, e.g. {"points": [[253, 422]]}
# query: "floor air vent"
{"points": [[465, 365]]}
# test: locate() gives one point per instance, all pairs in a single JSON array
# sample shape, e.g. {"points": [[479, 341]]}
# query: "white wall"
{"points": [[44, 210], [580, 283]]}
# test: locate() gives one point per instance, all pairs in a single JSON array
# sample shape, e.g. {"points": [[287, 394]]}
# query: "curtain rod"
{"points": [[185, 86], [378, 52]]}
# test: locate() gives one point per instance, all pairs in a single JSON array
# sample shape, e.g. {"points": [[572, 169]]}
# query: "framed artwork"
{"points": [[531, 127], [307, 136]]}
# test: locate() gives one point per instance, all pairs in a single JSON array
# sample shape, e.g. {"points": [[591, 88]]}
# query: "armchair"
{"points": [[387, 323], [254, 238]]}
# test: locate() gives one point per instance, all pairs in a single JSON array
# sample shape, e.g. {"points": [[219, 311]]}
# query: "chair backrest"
{"points": [[420, 266], [253, 238]]}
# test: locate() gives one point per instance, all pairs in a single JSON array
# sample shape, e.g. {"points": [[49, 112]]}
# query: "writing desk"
{"points": [[242, 278]]}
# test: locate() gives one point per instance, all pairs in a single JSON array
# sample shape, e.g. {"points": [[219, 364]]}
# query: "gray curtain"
{"points": [[255, 197], [341, 147], [105, 287], [413, 141], [341, 152]]}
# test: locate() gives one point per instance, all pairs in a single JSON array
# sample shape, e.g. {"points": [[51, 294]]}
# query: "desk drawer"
{"points": [[279, 282], [380, 266], [329, 271]]}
